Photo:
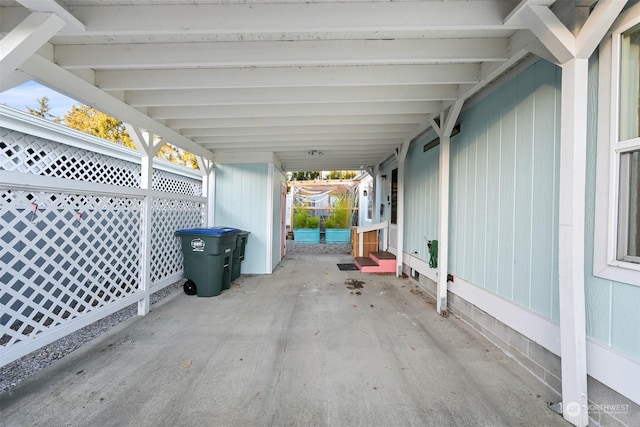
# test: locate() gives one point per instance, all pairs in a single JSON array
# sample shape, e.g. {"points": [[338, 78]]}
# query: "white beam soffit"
{"points": [[354, 80]]}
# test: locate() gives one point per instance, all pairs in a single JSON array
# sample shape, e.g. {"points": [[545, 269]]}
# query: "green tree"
{"points": [[342, 174], [89, 120], [305, 176], [177, 155], [43, 110]]}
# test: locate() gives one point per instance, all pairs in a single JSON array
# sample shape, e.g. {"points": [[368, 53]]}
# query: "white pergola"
{"points": [[319, 85]]}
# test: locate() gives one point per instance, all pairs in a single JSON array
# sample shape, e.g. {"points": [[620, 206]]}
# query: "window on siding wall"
{"points": [[369, 216], [616, 243], [627, 148]]}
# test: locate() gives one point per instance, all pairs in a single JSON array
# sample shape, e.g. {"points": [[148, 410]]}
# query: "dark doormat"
{"points": [[347, 267]]}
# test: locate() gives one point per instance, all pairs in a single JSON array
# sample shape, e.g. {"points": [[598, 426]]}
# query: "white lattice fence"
{"points": [[38, 156], [70, 245], [168, 182], [169, 216], [64, 255]]}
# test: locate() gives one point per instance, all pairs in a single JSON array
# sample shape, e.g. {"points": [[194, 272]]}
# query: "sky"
{"points": [[27, 94]]}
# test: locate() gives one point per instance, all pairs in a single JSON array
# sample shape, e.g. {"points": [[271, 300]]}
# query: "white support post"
{"points": [[444, 129], [443, 225], [573, 352], [375, 215], [144, 304], [572, 51], [268, 261], [402, 155], [207, 168], [147, 148]]}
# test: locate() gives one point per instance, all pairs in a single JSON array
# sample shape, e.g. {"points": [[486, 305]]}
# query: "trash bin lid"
{"points": [[209, 231]]}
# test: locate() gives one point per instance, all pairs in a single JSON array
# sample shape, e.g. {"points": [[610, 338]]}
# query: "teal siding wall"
{"points": [[421, 198], [613, 308], [241, 202], [504, 191], [504, 174]]}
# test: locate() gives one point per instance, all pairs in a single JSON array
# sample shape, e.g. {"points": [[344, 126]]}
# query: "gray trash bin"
{"points": [[208, 258], [238, 254]]}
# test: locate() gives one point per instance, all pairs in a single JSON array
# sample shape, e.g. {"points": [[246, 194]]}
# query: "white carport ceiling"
{"points": [[347, 81]]}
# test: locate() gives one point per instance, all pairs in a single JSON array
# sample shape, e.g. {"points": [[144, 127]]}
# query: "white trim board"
{"points": [[610, 368], [421, 266]]}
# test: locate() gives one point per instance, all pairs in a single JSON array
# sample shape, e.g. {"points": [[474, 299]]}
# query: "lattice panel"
{"points": [[63, 256], [169, 216], [30, 154], [171, 183]]}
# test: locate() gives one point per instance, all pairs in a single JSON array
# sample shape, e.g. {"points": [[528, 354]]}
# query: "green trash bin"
{"points": [[238, 254], [208, 258]]}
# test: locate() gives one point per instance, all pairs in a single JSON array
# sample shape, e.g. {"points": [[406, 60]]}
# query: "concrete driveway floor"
{"points": [[305, 346]]}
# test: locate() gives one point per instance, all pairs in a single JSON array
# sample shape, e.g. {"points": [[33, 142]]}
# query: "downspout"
{"points": [[401, 156]]}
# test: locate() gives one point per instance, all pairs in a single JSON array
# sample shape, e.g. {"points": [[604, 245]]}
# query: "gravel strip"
{"points": [[294, 248], [19, 370]]}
